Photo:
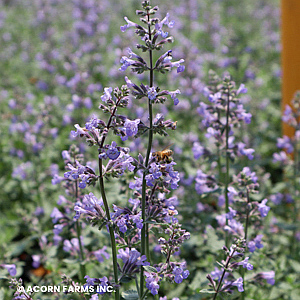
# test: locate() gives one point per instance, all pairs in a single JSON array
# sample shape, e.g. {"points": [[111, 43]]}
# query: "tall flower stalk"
{"points": [[149, 35], [145, 229], [222, 117], [129, 226], [289, 159], [103, 194]]}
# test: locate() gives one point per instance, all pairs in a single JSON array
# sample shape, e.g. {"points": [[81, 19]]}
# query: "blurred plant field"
{"points": [[56, 58]]}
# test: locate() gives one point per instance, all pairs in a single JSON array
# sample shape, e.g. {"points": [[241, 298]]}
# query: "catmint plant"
{"points": [[223, 280], [149, 208], [154, 176], [222, 117], [288, 158]]}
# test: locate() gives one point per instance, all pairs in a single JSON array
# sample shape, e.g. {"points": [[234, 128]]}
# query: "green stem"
{"points": [[227, 166], [223, 274], [137, 284], [219, 155], [78, 232], [246, 236], [111, 231], [144, 231], [82, 266], [247, 216], [102, 190]]}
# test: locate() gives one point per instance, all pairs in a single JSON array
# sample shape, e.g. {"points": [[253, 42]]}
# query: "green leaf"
{"points": [[150, 269], [295, 265], [220, 264], [208, 291], [125, 279], [130, 295], [213, 242], [2, 293], [287, 226], [70, 261]]}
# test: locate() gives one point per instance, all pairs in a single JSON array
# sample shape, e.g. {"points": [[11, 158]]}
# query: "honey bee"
{"points": [[163, 155]]}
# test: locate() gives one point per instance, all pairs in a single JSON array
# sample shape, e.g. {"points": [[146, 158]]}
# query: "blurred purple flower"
{"points": [[263, 209]]}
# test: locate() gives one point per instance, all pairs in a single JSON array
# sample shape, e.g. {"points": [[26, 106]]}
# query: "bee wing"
{"points": [[167, 147]]}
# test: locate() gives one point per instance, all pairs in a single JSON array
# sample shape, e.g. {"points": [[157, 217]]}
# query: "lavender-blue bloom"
{"points": [[180, 274], [252, 175], [56, 215], [129, 24], [132, 260], [107, 94], [137, 219], [80, 131], [277, 198], [263, 209], [97, 282], [242, 89], [280, 157], [72, 246], [269, 276], [152, 93], [164, 21], [231, 214], [112, 151], [214, 98], [256, 243], [204, 184], [57, 179], [121, 223], [137, 184], [90, 207], [241, 114], [126, 62], [198, 150], [288, 116], [131, 127], [286, 143], [152, 282], [11, 268], [235, 228], [58, 228], [173, 96], [246, 264], [247, 152], [216, 274], [239, 284]]}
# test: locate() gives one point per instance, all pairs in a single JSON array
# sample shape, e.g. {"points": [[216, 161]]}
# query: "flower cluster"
{"points": [[222, 280], [132, 261], [224, 110]]}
